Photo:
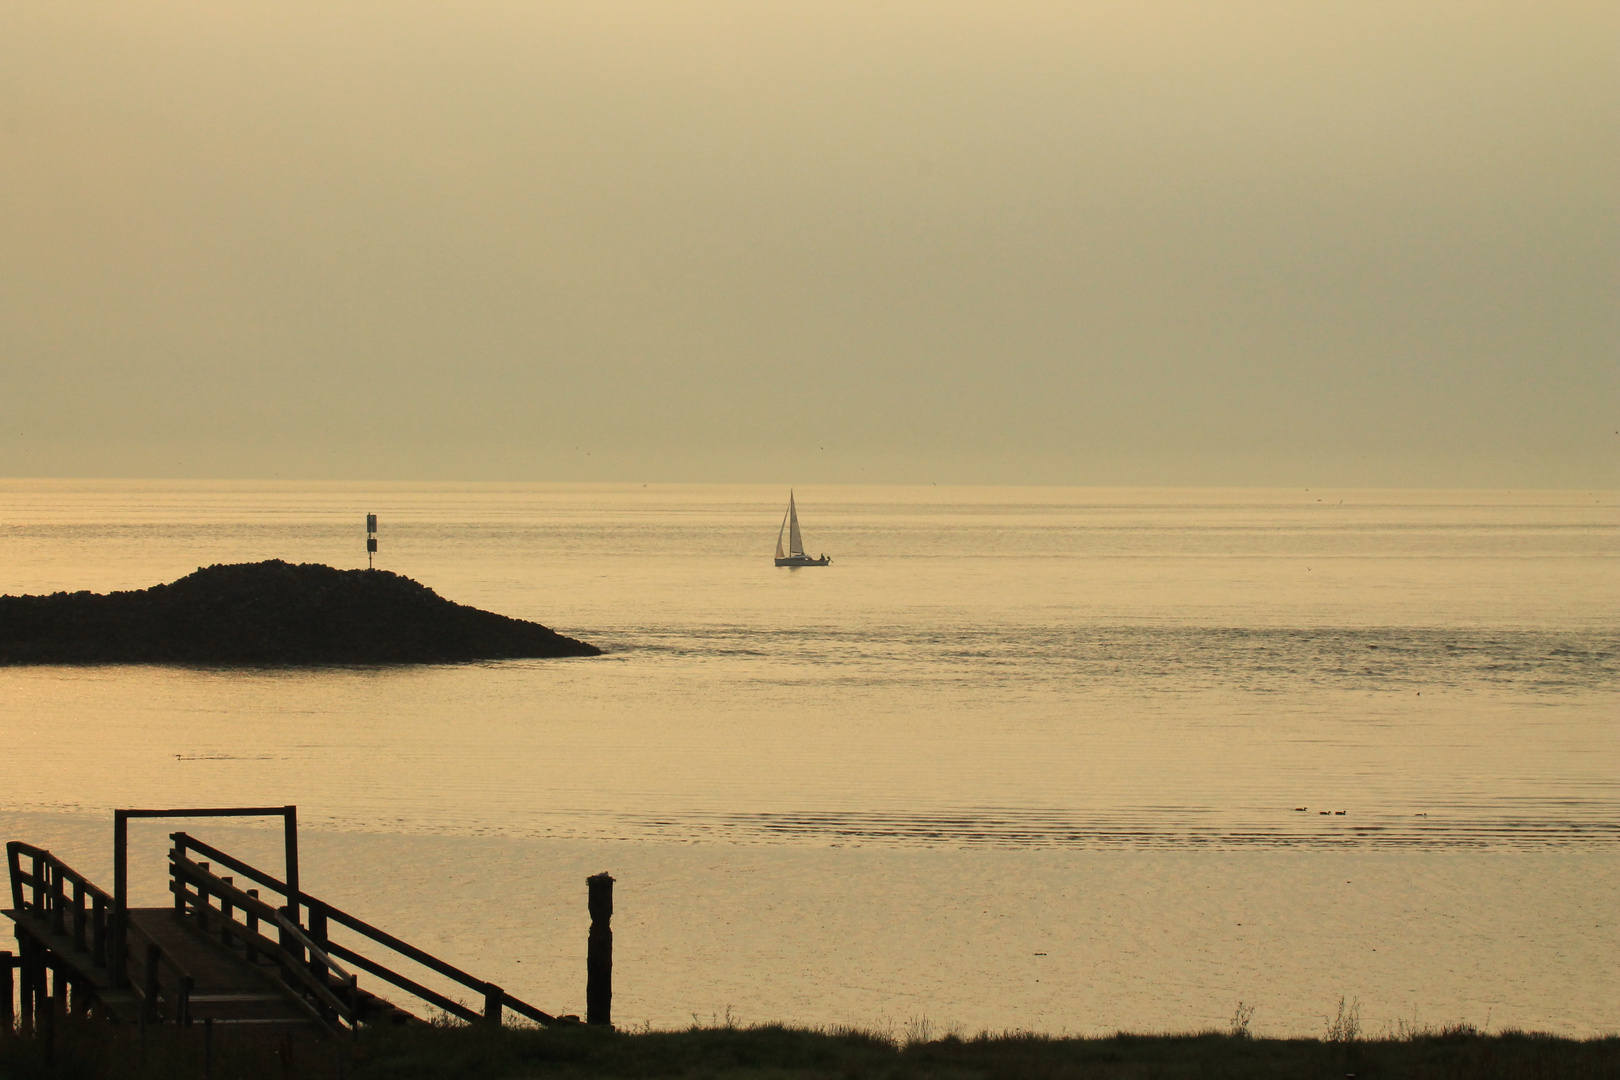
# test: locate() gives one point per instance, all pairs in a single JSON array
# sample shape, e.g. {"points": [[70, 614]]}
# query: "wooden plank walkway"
{"points": [[227, 988]]}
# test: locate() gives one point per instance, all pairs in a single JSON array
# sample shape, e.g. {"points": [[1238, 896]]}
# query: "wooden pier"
{"points": [[237, 947]]}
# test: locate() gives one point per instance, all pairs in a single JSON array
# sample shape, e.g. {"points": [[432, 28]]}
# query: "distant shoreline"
{"points": [[270, 613]]}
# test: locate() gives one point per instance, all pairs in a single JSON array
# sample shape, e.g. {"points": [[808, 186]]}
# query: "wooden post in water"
{"points": [[599, 952]]}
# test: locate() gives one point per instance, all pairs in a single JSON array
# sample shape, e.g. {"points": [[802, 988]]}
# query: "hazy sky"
{"points": [[1094, 243]]}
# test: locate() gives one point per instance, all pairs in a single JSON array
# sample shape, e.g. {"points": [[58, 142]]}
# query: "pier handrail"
{"points": [[62, 912], [338, 915], [295, 969], [315, 951], [17, 848], [301, 937], [48, 878]]}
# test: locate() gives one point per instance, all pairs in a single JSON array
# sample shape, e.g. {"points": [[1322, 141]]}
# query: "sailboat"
{"points": [[794, 556]]}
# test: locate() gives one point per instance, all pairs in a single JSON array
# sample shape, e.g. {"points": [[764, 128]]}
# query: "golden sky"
{"points": [[1095, 243]]}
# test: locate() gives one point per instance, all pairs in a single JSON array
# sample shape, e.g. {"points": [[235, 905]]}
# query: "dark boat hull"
{"points": [[803, 560]]}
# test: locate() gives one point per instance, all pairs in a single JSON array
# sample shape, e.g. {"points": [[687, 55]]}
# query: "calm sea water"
{"points": [[1020, 758]]}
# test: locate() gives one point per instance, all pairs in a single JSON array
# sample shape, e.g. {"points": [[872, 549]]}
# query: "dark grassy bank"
{"points": [[270, 613], [94, 1052]]}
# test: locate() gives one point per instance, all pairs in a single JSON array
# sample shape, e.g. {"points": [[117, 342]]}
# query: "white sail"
{"points": [[795, 541], [779, 553]]}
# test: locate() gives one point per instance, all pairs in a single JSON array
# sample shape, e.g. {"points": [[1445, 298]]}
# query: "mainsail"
{"points": [[780, 554], [795, 541]]}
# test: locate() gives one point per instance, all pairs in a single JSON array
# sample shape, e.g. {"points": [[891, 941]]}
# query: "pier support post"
{"points": [[45, 1026], [25, 981], [61, 980], [8, 1015], [599, 952], [149, 986]]}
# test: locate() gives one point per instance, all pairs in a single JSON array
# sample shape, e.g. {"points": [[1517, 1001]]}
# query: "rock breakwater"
{"points": [[270, 613]]}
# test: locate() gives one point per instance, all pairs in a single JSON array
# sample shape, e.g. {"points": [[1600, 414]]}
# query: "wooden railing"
{"points": [[304, 948], [71, 905], [335, 1007], [294, 935], [48, 879]]}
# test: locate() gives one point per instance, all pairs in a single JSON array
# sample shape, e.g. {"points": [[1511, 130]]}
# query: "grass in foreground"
{"points": [[770, 1052]]}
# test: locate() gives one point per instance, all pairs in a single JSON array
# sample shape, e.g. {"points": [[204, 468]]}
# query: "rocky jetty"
{"points": [[271, 613]]}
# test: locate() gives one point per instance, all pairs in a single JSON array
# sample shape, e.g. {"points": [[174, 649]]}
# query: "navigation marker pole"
{"points": [[371, 538]]}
